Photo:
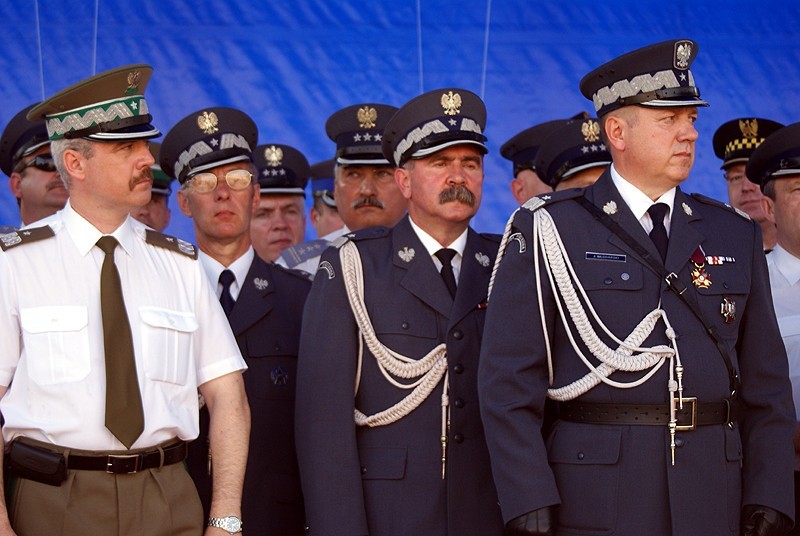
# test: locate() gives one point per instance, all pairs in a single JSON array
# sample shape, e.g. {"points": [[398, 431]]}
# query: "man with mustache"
{"points": [[734, 142], [263, 303], [391, 335], [364, 188], [32, 177], [102, 359], [645, 314]]}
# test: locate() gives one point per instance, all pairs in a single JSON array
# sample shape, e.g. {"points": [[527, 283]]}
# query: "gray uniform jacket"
{"points": [[387, 480], [615, 479]]}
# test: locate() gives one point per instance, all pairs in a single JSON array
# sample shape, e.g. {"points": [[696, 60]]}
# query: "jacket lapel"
{"points": [[255, 298], [683, 234], [473, 281], [420, 276], [604, 192]]}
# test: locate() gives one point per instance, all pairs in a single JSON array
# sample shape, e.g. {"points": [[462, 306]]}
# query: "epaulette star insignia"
{"points": [[26, 236], [170, 242]]}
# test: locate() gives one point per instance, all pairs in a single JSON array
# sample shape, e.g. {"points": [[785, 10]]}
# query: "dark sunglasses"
{"points": [[43, 162]]}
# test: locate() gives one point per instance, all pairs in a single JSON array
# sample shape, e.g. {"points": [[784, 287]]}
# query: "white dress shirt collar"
{"points": [[239, 267], [638, 201]]}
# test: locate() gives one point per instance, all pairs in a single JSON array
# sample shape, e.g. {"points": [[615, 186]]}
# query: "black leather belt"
{"points": [[692, 414], [128, 463]]}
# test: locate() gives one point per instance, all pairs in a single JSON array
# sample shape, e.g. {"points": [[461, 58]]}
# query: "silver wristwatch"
{"points": [[232, 524]]}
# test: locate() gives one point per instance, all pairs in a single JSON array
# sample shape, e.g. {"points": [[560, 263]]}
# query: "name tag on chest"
{"points": [[611, 257]]}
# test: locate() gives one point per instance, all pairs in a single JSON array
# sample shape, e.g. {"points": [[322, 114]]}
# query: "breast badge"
{"points": [[700, 277], [728, 310]]}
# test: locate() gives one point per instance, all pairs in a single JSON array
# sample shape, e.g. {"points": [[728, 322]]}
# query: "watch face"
{"points": [[234, 524]]}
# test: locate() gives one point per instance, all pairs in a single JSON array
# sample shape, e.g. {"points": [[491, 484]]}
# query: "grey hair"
{"points": [[59, 147]]}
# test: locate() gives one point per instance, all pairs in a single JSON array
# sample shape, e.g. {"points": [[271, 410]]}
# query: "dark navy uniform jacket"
{"points": [[387, 480], [266, 321], [614, 479]]}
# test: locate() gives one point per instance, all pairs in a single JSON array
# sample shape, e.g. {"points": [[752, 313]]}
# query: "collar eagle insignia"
{"points": [[406, 254], [482, 259], [260, 284], [610, 208], [687, 209]]}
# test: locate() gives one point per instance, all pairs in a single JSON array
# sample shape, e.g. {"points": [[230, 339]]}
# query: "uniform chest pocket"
{"points": [[56, 343], [609, 274], [167, 343]]}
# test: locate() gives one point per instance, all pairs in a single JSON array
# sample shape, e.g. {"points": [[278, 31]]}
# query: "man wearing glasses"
{"points": [[210, 152], [32, 177], [734, 142], [365, 192]]}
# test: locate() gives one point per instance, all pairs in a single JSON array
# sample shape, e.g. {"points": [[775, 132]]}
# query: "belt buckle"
{"points": [[111, 459], [693, 401]]}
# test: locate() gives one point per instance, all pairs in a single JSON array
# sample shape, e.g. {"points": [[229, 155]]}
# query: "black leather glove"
{"points": [[541, 522], [758, 520]]}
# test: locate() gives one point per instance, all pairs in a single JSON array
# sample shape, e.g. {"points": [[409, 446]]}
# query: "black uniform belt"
{"points": [[692, 414], [128, 463]]}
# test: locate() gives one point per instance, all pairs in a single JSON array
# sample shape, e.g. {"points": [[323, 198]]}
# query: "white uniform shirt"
{"points": [[784, 276], [52, 334]]}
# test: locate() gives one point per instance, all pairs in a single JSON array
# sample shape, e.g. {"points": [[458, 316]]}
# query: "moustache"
{"points": [[140, 177], [458, 193], [370, 201], [52, 185]]}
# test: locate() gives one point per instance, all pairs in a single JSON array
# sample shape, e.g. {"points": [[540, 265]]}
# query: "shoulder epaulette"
{"points": [[172, 243], [535, 203], [300, 253], [25, 236], [492, 237], [716, 203], [294, 272], [364, 234]]}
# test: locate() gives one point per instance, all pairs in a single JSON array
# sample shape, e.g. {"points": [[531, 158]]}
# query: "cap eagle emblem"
{"points": [[208, 122], [367, 116], [590, 131], [451, 102]]}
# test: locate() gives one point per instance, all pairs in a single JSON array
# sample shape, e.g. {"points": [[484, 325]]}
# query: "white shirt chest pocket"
{"points": [[56, 343], [167, 343]]}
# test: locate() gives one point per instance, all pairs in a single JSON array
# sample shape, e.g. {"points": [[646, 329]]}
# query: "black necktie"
{"points": [[226, 299], [124, 413], [446, 255], [658, 235]]}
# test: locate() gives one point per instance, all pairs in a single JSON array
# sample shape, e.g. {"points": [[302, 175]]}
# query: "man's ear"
{"points": [[616, 129], [183, 203], [403, 180], [15, 184], [769, 208], [74, 164]]}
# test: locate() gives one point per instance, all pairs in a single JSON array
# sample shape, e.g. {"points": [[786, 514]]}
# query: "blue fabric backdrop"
{"points": [[291, 64]]}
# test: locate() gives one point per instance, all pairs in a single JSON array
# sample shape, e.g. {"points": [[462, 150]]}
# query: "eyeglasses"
{"points": [[43, 162], [236, 179]]}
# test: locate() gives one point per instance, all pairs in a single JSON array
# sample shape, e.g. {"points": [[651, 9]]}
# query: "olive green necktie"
{"points": [[124, 414]]}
